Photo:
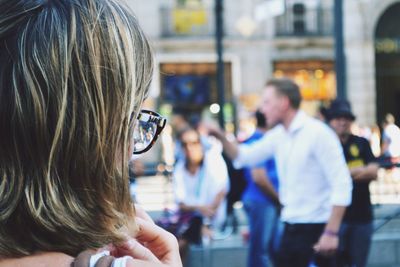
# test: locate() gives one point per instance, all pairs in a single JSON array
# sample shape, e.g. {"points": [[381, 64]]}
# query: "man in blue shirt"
{"points": [[261, 203]]}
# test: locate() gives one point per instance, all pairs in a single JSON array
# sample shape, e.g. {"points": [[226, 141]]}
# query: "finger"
{"points": [[141, 213], [162, 243], [151, 233], [136, 250]]}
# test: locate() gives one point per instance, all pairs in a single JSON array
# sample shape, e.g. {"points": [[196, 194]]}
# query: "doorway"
{"points": [[387, 60]]}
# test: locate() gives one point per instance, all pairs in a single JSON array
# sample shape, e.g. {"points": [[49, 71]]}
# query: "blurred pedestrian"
{"points": [[237, 186], [390, 137], [356, 229], [322, 113], [315, 184], [261, 203], [200, 183]]}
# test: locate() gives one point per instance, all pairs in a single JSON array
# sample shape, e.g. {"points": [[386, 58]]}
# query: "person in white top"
{"points": [[315, 184], [390, 137], [201, 182]]}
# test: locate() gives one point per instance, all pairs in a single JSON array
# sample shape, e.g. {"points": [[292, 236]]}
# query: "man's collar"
{"points": [[297, 122]]}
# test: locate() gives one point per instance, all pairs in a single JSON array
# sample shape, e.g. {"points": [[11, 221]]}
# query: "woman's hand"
{"points": [[151, 247]]}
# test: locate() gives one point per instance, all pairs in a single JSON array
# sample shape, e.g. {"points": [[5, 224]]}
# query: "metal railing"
{"points": [[305, 22]]}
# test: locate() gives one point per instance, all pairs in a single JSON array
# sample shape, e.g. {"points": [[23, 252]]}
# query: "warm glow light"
{"points": [[315, 78], [278, 74], [319, 74]]}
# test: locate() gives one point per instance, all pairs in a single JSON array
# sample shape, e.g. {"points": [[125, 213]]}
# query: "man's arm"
{"points": [[218, 200], [329, 240], [333, 164], [369, 171], [365, 173], [230, 148], [261, 179], [248, 155]]}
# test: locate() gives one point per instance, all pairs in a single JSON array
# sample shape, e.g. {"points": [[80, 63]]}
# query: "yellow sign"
{"points": [[185, 19]]}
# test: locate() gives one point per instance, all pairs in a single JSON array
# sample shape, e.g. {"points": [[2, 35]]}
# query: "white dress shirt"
{"points": [[312, 171], [203, 187]]}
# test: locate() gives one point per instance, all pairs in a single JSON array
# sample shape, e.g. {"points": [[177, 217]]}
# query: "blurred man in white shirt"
{"points": [[315, 184]]}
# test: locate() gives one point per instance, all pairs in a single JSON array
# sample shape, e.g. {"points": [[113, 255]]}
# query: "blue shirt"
{"points": [[252, 191]]}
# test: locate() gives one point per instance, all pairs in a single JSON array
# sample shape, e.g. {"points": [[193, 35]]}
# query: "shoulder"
{"points": [[361, 142], [313, 122], [179, 165], [255, 136], [358, 139], [46, 259], [215, 166], [275, 133], [179, 169], [276, 129], [213, 159], [319, 128]]}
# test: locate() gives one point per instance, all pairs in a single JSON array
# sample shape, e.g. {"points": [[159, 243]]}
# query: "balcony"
{"points": [[299, 21]]}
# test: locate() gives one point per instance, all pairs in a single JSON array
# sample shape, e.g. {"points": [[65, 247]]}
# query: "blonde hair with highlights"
{"points": [[72, 75]]}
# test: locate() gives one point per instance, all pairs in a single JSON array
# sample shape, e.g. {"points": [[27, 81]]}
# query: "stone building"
{"points": [[372, 46], [258, 45]]}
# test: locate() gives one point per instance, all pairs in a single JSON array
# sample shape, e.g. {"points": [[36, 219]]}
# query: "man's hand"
{"points": [[230, 147], [327, 244], [214, 130]]}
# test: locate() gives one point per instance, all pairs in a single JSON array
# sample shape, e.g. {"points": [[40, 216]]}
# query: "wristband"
{"points": [[330, 233]]}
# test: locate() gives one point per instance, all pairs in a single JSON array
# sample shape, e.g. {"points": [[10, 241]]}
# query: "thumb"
{"points": [[136, 250]]}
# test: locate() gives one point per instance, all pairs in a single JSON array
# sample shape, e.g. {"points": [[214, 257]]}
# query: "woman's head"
{"points": [[72, 75], [192, 147]]}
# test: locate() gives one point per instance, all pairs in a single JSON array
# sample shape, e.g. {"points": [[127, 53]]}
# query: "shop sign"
{"points": [[188, 19], [387, 46]]}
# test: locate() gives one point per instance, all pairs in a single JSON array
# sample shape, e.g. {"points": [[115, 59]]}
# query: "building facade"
{"points": [[259, 44], [372, 43]]}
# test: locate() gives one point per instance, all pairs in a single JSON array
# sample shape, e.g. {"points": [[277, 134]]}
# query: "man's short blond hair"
{"points": [[288, 88]]}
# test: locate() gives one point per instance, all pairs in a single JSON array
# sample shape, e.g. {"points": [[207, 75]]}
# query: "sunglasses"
{"points": [[148, 126]]}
